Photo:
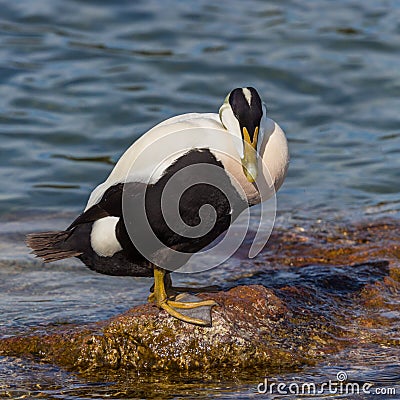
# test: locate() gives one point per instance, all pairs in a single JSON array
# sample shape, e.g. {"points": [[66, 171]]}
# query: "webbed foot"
{"points": [[186, 307]]}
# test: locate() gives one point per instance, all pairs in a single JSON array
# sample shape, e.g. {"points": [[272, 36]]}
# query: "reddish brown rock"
{"points": [[252, 327]]}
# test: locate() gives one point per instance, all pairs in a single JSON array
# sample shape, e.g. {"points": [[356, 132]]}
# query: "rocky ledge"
{"points": [[311, 295]]}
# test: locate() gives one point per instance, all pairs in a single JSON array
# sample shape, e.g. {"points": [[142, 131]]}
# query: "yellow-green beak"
{"points": [[249, 161]]}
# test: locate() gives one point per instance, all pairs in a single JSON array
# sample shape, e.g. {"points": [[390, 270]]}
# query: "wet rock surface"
{"points": [[251, 327], [309, 295]]}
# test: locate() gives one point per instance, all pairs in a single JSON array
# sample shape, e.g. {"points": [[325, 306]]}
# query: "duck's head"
{"points": [[242, 114]]}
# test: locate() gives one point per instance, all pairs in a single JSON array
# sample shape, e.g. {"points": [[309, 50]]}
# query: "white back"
{"points": [[147, 158]]}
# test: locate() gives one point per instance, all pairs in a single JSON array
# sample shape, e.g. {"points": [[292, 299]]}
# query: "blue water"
{"points": [[81, 80]]}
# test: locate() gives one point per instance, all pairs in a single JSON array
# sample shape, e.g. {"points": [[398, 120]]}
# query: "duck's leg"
{"points": [[171, 290], [175, 290], [160, 297]]}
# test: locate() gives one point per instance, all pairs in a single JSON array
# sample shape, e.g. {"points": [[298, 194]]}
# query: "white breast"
{"points": [[273, 162]]}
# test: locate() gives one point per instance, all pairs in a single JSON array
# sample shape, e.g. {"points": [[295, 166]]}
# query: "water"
{"points": [[81, 80]]}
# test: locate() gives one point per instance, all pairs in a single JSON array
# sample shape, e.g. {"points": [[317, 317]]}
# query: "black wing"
{"points": [[109, 205]]}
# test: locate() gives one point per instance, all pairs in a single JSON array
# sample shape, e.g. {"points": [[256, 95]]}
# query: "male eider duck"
{"points": [[239, 147]]}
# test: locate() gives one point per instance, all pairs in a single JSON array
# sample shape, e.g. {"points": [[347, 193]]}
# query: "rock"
{"points": [[252, 327]]}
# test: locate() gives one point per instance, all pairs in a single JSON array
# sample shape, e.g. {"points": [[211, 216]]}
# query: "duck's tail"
{"points": [[51, 246]]}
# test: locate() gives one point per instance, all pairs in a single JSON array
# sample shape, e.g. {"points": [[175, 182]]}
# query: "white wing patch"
{"points": [[103, 237]]}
